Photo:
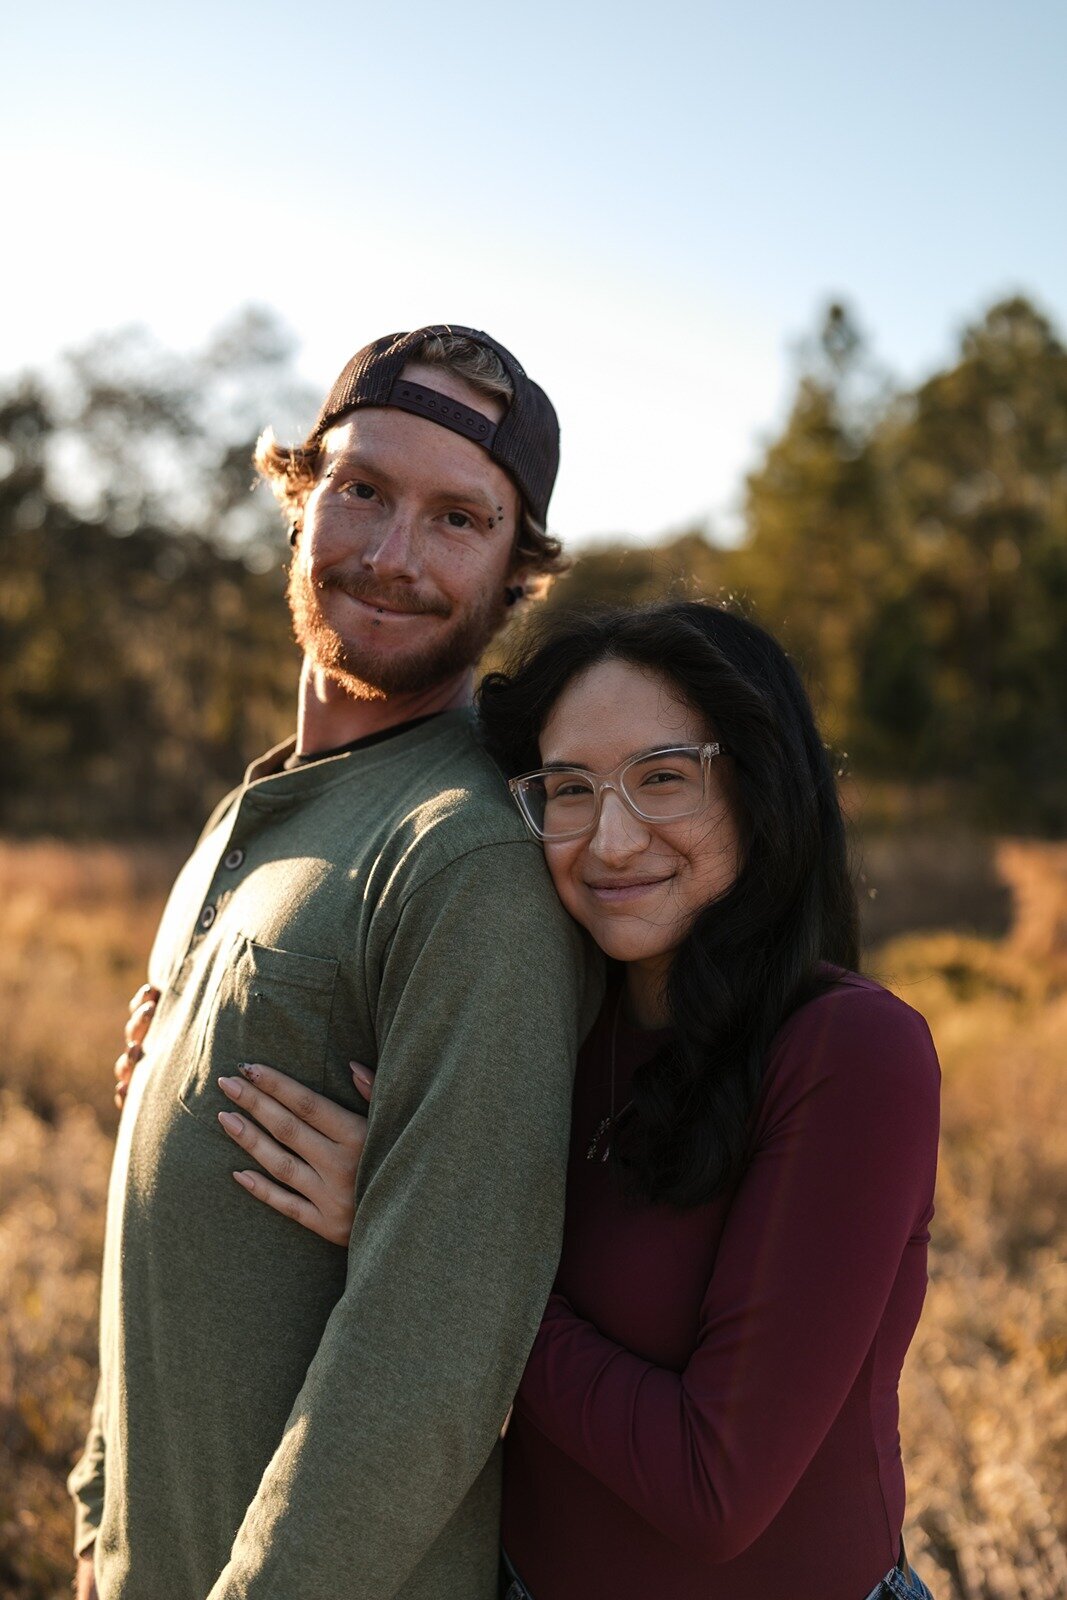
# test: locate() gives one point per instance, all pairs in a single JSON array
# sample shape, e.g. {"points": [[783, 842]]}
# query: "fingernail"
{"points": [[361, 1075], [231, 1123], [231, 1086], [244, 1179], [247, 1070]]}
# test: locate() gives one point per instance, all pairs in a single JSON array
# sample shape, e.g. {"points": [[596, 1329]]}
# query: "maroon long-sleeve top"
{"points": [[710, 1408]]}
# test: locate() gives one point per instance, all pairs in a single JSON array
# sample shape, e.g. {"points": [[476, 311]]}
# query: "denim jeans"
{"points": [[894, 1586], [511, 1585]]}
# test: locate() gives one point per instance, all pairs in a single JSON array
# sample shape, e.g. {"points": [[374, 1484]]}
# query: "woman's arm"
{"points": [[841, 1178]]}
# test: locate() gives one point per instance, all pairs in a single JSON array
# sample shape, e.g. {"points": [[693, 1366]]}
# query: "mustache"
{"points": [[359, 587]]}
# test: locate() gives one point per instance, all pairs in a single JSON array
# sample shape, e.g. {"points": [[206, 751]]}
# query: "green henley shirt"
{"points": [[276, 1419]]}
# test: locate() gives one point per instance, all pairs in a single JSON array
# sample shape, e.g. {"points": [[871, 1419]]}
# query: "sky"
{"points": [[651, 205]]}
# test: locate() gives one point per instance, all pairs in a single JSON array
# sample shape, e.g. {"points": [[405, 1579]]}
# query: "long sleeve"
{"points": [[840, 1179], [485, 990], [86, 1481]]}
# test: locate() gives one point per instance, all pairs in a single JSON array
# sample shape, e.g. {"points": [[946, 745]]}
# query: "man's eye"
{"points": [[362, 491], [459, 519]]}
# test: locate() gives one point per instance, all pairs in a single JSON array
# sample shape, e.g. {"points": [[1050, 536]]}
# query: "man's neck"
{"points": [[328, 716]]}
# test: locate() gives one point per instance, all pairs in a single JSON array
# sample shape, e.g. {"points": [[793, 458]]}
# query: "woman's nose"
{"points": [[618, 834]]}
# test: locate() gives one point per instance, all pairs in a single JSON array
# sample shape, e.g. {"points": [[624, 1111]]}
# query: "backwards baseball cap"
{"points": [[525, 442]]}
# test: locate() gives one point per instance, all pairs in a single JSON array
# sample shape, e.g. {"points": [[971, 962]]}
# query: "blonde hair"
{"points": [[292, 470]]}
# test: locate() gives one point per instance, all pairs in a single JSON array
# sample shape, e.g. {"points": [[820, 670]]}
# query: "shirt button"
{"points": [[233, 860], [207, 917]]}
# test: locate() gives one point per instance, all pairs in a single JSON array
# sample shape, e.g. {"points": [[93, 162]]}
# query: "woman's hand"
{"points": [[309, 1143], [142, 1010]]}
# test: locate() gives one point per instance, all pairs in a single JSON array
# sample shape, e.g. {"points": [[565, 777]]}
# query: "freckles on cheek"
{"points": [[465, 562]]}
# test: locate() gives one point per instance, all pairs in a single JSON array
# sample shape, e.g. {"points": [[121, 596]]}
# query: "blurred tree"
{"points": [[144, 641], [619, 573], [963, 667], [818, 542], [144, 437]]}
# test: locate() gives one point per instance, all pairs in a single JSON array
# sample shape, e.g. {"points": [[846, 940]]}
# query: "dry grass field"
{"points": [[984, 1413]]}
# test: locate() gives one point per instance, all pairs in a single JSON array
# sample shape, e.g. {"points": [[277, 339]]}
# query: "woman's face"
{"points": [[635, 885]]}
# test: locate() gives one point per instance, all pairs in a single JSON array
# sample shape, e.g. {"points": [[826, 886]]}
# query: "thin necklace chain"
{"points": [[605, 1123]]}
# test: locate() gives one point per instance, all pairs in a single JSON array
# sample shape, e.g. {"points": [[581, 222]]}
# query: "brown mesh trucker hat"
{"points": [[525, 441]]}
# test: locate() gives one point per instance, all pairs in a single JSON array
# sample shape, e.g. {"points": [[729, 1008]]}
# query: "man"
{"points": [[275, 1419]]}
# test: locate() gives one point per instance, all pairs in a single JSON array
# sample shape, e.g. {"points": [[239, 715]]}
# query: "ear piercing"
{"points": [[294, 529], [513, 592]]}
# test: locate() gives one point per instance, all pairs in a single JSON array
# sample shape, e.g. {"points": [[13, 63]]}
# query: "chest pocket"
{"points": [[265, 1005]]}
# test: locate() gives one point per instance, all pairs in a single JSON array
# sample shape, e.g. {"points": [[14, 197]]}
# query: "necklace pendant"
{"points": [[601, 1129]]}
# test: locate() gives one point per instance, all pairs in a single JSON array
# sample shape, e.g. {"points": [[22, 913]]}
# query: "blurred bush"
{"points": [[984, 1397], [53, 1185]]}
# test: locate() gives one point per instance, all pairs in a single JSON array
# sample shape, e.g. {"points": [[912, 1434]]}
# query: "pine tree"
{"points": [[817, 546], [965, 667]]}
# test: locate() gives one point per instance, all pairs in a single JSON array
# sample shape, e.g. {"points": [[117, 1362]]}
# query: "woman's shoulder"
{"points": [[857, 1029], [851, 1000]]}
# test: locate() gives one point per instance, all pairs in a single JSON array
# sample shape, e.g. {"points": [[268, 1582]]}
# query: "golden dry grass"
{"points": [[77, 926], [78, 922], [984, 1399], [984, 1396]]}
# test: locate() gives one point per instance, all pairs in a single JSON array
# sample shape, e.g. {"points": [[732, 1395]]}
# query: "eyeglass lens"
{"points": [[659, 787]]}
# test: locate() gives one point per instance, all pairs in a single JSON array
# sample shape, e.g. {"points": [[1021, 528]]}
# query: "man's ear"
{"points": [[533, 583], [520, 583]]}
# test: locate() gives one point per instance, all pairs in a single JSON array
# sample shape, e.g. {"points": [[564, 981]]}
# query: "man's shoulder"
{"points": [[454, 799]]}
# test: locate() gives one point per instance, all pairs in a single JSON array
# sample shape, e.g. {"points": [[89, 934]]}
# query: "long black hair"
{"points": [[765, 945]]}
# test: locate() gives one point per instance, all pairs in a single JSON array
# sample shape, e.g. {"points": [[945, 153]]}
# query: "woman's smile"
{"points": [[623, 890]]}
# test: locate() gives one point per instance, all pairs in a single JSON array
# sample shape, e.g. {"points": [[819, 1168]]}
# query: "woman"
{"points": [[710, 1406]]}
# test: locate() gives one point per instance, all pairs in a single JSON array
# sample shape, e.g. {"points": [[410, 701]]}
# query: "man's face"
{"points": [[397, 581]]}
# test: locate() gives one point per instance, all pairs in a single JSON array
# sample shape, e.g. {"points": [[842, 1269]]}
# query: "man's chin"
{"points": [[364, 674], [377, 674], [365, 679], [367, 673]]}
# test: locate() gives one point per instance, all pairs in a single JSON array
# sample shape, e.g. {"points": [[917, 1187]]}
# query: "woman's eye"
{"points": [[660, 778]]}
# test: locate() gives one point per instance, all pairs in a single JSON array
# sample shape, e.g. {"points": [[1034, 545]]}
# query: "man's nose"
{"points": [[618, 835], [393, 553]]}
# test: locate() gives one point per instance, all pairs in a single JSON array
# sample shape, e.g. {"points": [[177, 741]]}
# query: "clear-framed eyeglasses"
{"points": [[657, 786]]}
